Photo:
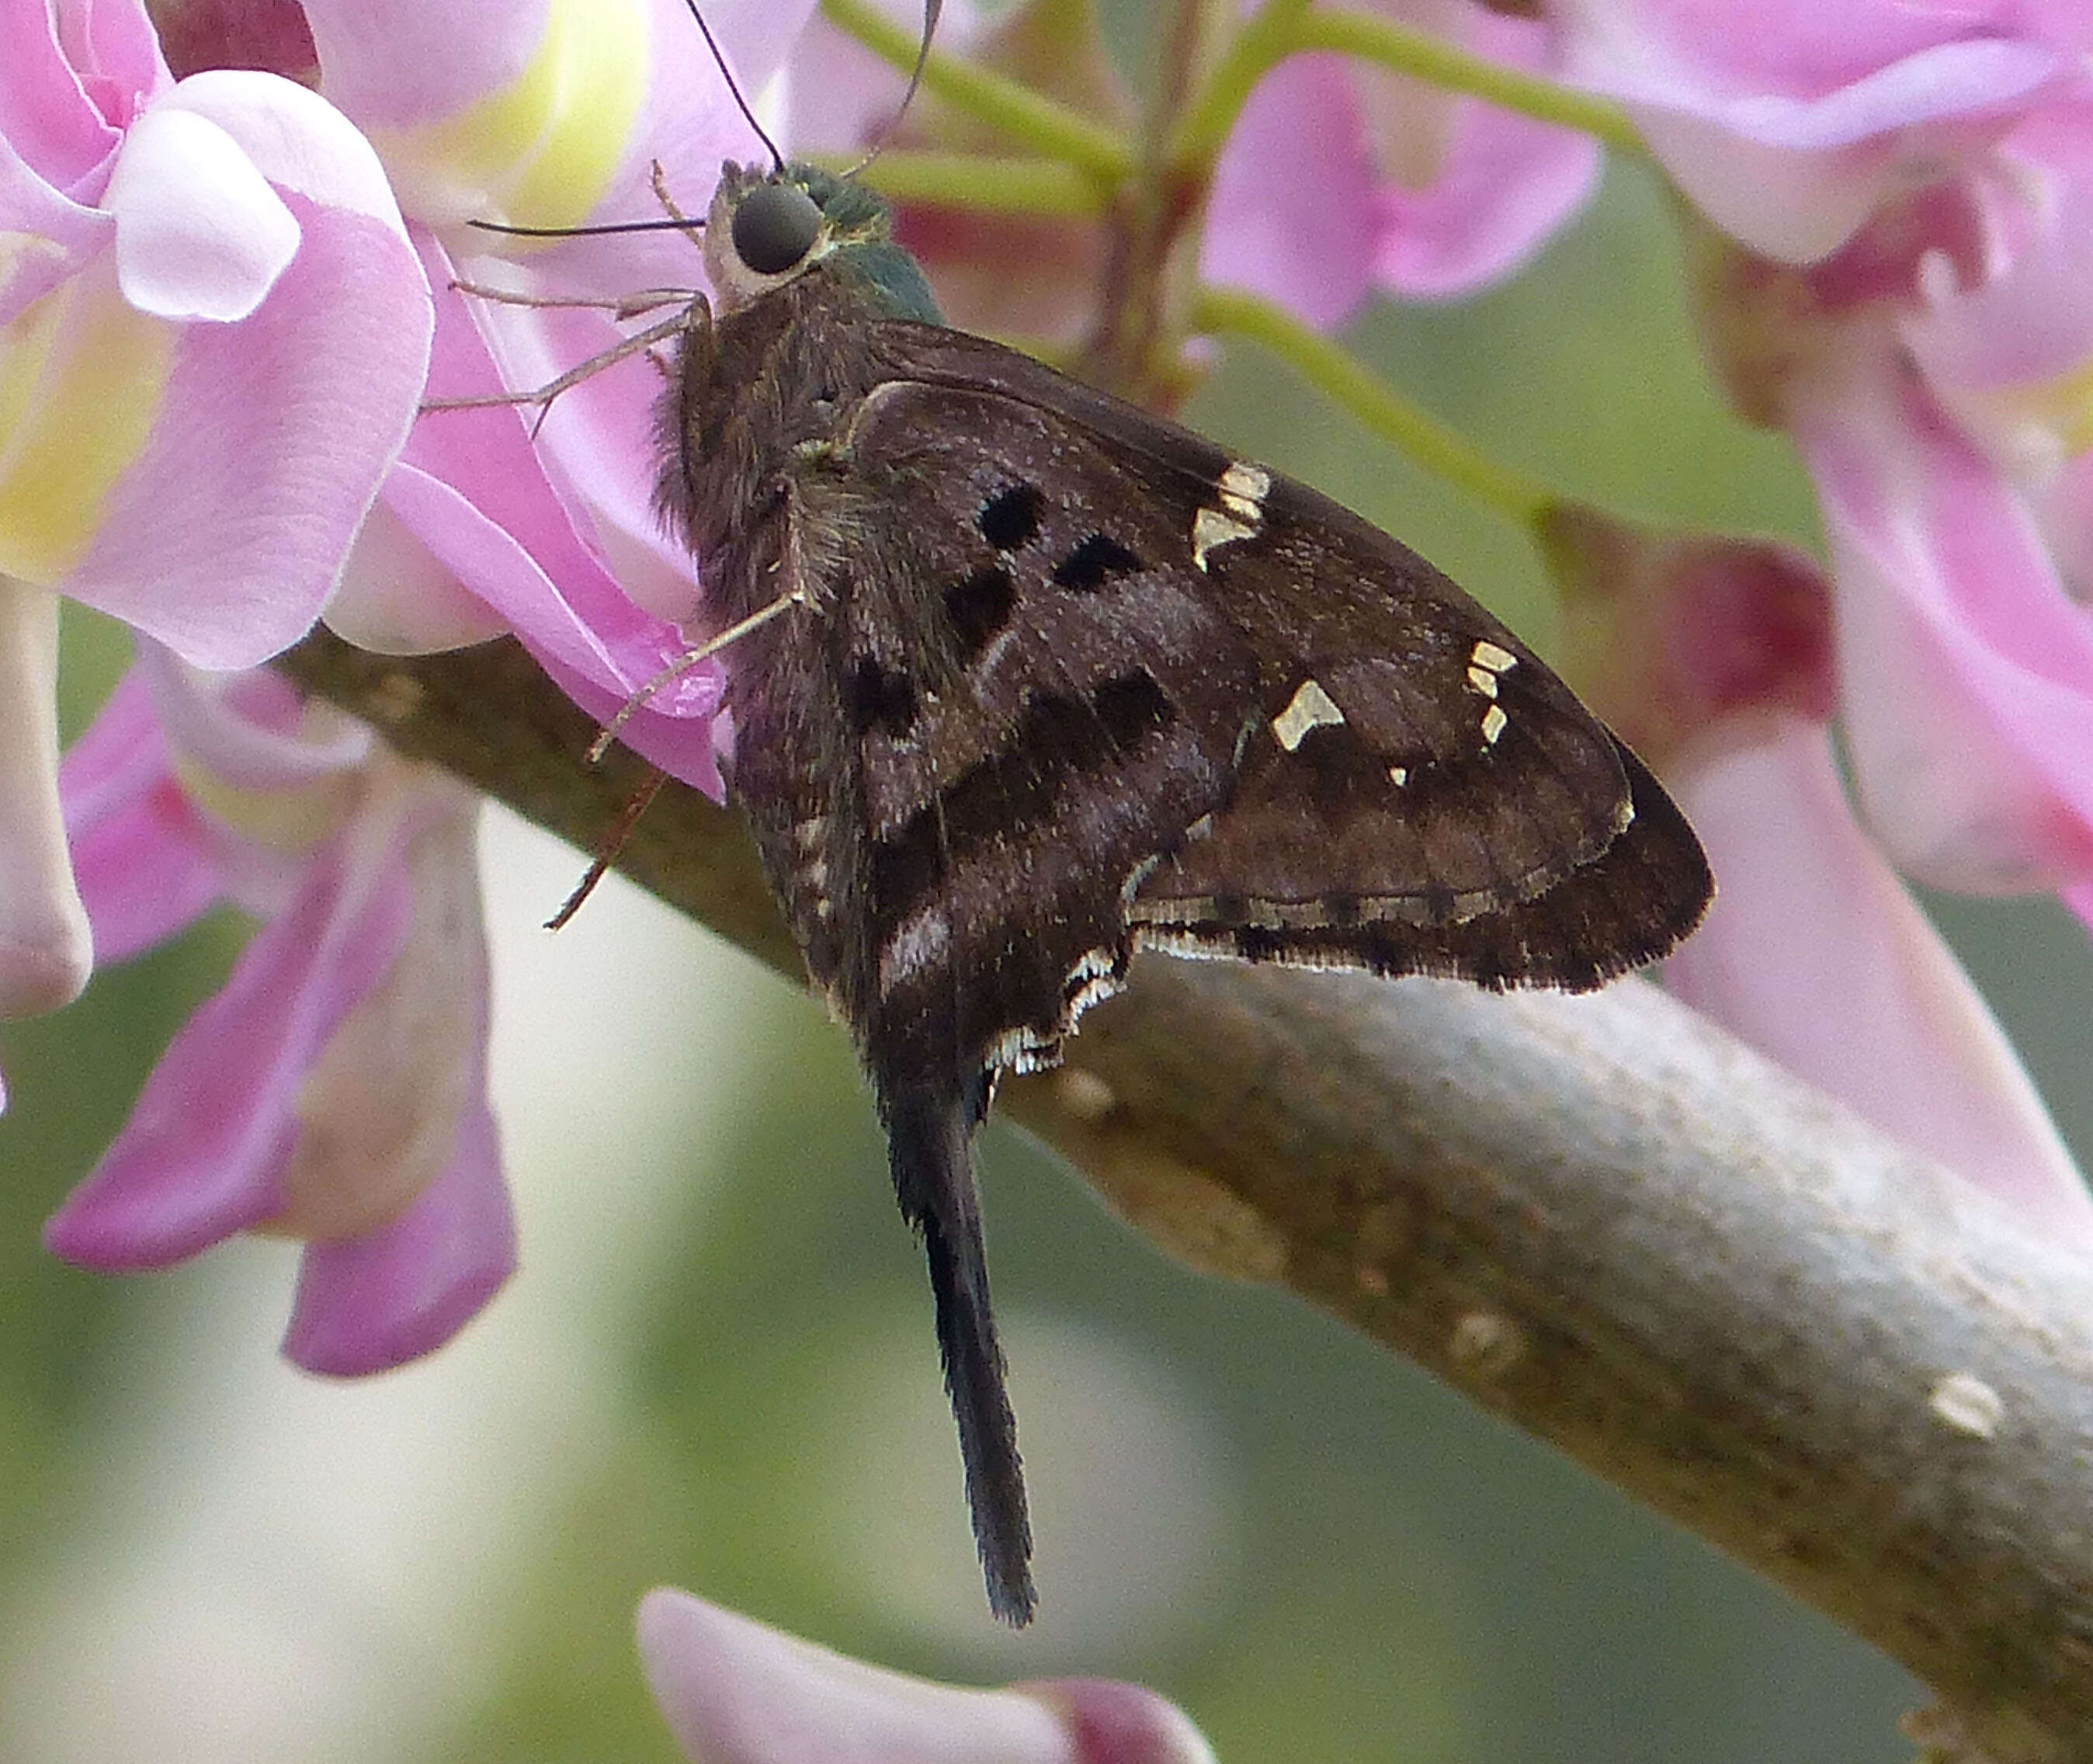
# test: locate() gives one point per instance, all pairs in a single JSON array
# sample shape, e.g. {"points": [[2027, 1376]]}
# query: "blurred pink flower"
{"points": [[334, 1090], [1901, 284], [1718, 659], [1790, 123], [1343, 177], [214, 335], [734, 1691], [495, 520]]}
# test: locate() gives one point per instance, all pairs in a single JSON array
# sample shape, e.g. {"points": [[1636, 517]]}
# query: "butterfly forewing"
{"points": [[1388, 752]]}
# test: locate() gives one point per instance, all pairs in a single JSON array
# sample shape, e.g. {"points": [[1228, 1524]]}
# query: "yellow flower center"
{"points": [[82, 378], [541, 152]]}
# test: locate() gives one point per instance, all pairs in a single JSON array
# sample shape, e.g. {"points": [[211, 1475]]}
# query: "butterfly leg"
{"points": [[632, 306], [639, 341]]}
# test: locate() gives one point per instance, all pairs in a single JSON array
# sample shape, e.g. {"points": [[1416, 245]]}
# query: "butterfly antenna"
{"points": [[741, 103], [931, 9]]}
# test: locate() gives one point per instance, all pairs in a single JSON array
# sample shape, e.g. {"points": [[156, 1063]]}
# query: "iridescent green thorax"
{"points": [[863, 248], [767, 229]]}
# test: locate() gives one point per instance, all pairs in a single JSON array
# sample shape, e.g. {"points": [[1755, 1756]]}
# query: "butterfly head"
{"points": [[768, 227]]}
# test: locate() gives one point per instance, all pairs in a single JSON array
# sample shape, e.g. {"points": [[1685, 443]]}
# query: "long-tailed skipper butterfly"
{"points": [[1025, 678]]}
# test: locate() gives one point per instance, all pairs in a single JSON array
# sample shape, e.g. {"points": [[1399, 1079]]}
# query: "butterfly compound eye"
{"points": [[774, 226]]}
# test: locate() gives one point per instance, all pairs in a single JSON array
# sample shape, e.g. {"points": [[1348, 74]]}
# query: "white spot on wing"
{"points": [[1242, 488], [1494, 723], [1310, 707], [1211, 529], [1494, 657], [1967, 1404], [1483, 680], [920, 941]]}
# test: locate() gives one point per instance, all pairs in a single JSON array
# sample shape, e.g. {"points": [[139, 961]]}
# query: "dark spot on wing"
{"points": [[1011, 517], [1094, 561], [1131, 706], [875, 698], [980, 607]]}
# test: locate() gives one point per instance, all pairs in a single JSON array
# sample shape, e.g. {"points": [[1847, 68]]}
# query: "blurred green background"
{"points": [[716, 1369]]}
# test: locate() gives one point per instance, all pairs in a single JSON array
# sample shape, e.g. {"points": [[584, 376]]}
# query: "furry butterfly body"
{"points": [[1051, 678]]}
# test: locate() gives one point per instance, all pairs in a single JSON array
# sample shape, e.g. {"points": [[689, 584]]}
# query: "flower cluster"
{"points": [[229, 296]]}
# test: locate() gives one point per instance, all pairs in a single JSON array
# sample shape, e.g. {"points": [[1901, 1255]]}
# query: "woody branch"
{"points": [[1600, 1218]]}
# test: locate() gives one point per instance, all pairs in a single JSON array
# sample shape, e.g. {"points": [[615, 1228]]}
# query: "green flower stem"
{"points": [[986, 183], [1052, 130], [1341, 377], [1296, 26]]}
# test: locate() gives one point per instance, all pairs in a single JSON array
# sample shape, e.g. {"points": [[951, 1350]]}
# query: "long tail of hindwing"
{"points": [[928, 1130]]}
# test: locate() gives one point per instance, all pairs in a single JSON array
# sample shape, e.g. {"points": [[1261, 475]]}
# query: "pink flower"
{"points": [[1343, 177], [1815, 953], [734, 1691], [1790, 123], [1717, 659], [335, 1090], [216, 336], [1911, 303], [494, 520]]}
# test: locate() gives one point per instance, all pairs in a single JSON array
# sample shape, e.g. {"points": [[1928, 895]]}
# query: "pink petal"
{"points": [[117, 53], [838, 95], [1968, 672], [734, 1691], [146, 875], [475, 493], [1787, 124], [471, 488], [301, 143], [379, 1106], [1499, 186], [68, 232], [141, 857], [47, 948], [251, 730], [599, 444], [688, 122], [205, 1150], [199, 232], [686, 747], [403, 1290], [1111, 1721], [116, 758], [1814, 954], [392, 63], [1509, 184], [1291, 216], [398, 598], [226, 537], [1876, 63], [49, 117], [599, 646], [396, 65]]}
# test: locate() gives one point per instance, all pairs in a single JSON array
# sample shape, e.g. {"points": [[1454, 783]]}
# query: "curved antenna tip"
{"points": [[741, 103]]}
